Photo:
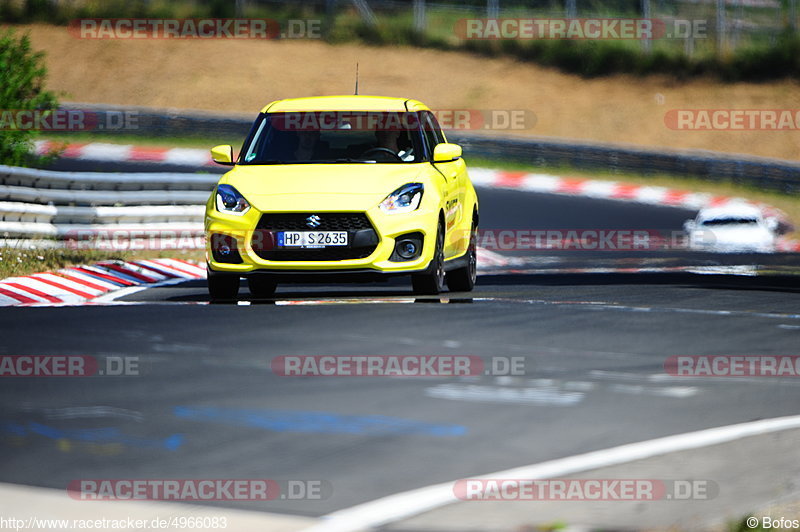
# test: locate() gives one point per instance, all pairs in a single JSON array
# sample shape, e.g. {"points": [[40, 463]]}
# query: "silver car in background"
{"points": [[734, 228]]}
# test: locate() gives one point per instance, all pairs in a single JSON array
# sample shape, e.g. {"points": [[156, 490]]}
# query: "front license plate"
{"points": [[311, 239]]}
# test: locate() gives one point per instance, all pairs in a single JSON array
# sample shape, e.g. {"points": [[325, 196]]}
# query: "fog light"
{"points": [[224, 249], [407, 249]]}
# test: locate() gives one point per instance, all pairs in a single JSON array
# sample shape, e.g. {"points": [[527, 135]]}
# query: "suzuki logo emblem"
{"points": [[313, 221]]}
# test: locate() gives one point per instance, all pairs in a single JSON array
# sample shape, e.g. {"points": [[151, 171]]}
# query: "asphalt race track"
{"points": [[593, 330]]}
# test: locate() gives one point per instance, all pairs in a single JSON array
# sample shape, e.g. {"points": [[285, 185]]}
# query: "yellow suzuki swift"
{"points": [[342, 188]]}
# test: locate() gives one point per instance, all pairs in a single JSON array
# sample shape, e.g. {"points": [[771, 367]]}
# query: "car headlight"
{"points": [[405, 199], [230, 201]]}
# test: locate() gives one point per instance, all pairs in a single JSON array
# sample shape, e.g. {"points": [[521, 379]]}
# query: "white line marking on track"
{"points": [[498, 394], [602, 305], [403, 505], [86, 412], [660, 391]]}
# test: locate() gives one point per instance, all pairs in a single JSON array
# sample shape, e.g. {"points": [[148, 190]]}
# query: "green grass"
{"points": [[21, 260], [764, 54], [740, 525], [755, 60], [26, 259]]}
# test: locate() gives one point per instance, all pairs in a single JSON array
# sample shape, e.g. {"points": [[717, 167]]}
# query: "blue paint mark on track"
{"points": [[99, 435], [316, 422]]}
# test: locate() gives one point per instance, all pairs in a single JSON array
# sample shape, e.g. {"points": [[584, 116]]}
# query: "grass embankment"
{"points": [[762, 52], [614, 109], [25, 259]]}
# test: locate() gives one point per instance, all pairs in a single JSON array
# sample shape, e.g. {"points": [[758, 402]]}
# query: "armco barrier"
{"points": [[29, 177], [46, 204], [775, 174]]}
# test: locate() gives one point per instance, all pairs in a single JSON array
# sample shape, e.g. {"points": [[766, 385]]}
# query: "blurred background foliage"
{"points": [[751, 40]]}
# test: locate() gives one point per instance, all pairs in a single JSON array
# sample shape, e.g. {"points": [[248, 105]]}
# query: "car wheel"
{"points": [[222, 286], [261, 285], [432, 281], [463, 279]]}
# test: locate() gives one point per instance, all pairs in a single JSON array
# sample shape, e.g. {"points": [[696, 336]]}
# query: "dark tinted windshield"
{"points": [[730, 221], [335, 137]]}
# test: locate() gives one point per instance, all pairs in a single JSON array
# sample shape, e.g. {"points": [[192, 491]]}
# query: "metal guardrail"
{"points": [[55, 196], [774, 174], [142, 181], [46, 204]]}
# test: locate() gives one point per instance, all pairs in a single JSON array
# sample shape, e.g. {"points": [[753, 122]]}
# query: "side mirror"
{"points": [[222, 154], [446, 152], [688, 226]]}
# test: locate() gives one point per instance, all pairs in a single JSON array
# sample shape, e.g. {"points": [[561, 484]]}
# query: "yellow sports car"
{"points": [[342, 188]]}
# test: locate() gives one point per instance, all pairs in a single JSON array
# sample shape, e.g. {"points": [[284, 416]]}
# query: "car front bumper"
{"points": [[245, 233]]}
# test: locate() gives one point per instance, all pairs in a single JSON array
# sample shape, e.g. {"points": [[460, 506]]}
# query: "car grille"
{"points": [[331, 221], [361, 235]]}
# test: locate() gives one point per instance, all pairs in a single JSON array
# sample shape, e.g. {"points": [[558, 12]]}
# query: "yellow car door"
{"points": [[455, 175]]}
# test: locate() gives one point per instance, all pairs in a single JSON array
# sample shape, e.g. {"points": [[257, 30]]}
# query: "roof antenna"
{"points": [[356, 79]]}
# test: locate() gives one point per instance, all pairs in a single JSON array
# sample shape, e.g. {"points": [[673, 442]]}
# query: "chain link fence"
{"points": [[725, 24], [719, 26]]}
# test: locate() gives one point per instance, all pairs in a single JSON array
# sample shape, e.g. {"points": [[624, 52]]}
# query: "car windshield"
{"points": [[730, 221], [334, 137]]}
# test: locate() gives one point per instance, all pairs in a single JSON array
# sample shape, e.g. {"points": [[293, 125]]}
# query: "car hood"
{"points": [[320, 186]]}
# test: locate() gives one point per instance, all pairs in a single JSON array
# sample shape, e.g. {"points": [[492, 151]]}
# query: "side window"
{"points": [[437, 129], [429, 130], [432, 131]]}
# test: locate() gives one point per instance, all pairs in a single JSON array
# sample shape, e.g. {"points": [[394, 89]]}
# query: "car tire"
{"points": [[261, 286], [432, 281], [463, 279], [222, 286]]}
